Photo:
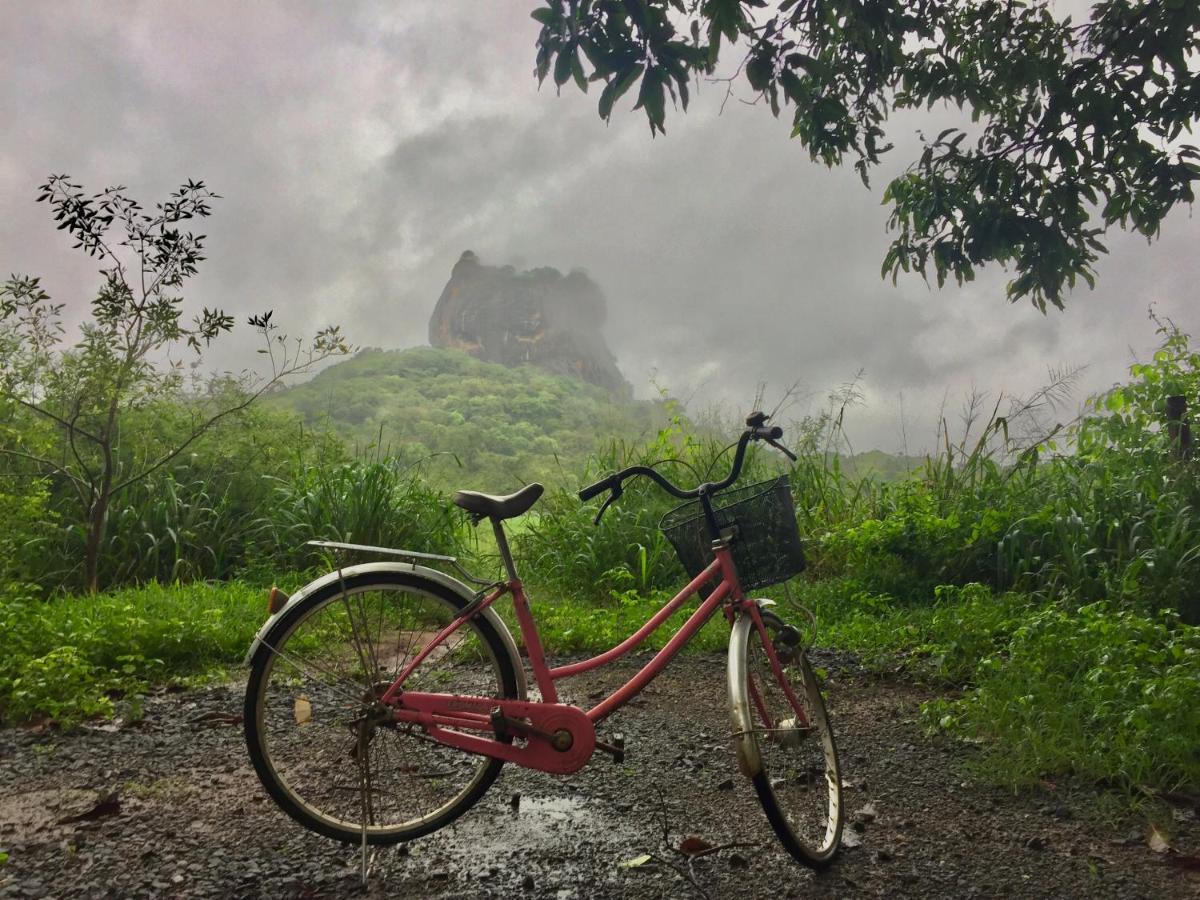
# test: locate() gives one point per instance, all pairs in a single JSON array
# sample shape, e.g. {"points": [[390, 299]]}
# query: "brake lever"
{"points": [[782, 449], [616, 492]]}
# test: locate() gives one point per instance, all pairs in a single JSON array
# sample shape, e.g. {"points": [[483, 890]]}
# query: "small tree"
{"points": [[1075, 126], [123, 359]]}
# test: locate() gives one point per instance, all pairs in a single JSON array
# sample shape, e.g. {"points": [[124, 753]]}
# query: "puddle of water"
{"points": [[539, 823], [543, 839]]}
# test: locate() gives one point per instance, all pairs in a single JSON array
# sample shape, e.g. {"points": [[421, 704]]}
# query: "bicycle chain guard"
{"points": [[454, 719]]}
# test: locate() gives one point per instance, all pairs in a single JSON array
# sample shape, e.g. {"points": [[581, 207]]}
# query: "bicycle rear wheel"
{"points": [[326, 750], [784, 740]]}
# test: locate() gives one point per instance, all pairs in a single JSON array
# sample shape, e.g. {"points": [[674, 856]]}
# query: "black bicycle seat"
{"points": [[493, 507]]}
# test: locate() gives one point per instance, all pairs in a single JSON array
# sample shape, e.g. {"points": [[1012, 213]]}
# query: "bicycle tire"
{"points": [[271, 755], [794, 769]]}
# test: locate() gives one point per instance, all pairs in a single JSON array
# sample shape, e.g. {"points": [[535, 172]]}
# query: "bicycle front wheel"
{"points": [[327, 751], [783, 738]]}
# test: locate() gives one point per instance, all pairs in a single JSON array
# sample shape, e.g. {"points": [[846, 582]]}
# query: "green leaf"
{"points": [[577, 70], [636, 862], [616, 87], [562, 65], [652, 98], [759, 71]]}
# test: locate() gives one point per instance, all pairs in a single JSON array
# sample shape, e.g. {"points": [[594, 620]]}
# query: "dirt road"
{"points": [[171, 808]]}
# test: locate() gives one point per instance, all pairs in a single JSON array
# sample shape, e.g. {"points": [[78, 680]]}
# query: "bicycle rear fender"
{"points": [[441, 578]]}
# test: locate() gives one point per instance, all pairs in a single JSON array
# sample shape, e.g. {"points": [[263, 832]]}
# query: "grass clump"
{"points": [[67, 659], [941, 642], [1100, 692]]}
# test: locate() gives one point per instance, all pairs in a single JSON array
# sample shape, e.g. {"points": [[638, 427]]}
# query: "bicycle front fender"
{"points": [[740, 707], [447, 581]]}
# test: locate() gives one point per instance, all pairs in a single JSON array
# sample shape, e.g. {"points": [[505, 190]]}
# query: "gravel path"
{"points": [[171, 808]]}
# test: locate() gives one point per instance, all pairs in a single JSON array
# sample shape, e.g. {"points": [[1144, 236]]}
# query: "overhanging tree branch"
{"points": [[1088, 119]]}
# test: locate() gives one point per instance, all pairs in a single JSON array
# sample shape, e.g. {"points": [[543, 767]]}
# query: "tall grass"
{"points": [[243, 506], [379, 502]]}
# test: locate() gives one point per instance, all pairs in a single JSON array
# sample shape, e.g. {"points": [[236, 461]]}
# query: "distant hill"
{"points": [[494, 427]]}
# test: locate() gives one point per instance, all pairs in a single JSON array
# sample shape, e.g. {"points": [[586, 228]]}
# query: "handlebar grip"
{"points": [[593, 490], [772, 433]]}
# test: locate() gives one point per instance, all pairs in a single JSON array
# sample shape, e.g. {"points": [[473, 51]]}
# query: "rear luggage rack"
{"points": [[412, 556]]}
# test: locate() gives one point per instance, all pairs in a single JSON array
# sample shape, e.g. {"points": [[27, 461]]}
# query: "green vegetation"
{"points": [[1102, 693], [1099, 692], [70, 659], [1049, 584], [474, 424], [76, 407]]}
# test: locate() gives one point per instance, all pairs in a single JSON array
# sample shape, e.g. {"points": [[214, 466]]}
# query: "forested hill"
{"points": [[494, 427]]}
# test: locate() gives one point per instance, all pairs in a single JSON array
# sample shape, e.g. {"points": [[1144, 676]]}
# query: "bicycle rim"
{"points": [[324, 748]]}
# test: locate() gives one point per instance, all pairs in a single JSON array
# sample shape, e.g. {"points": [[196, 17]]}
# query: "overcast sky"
{"points": [[360, 148]]}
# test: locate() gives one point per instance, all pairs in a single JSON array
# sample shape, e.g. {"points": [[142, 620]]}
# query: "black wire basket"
{"points": [[764, 537]]}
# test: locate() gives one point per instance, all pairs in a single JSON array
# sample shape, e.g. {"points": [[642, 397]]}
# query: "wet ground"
{"points": [[170, 807]]}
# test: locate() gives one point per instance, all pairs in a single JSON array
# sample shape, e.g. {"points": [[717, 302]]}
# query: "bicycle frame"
{"points": [[442, 713]]}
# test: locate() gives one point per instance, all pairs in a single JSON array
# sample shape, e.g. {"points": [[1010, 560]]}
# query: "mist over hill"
{"points": [[487, 426], [473, 423]]}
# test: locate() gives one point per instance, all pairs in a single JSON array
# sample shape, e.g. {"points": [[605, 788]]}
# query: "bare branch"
{"points": [[75, 480], [59, 419], [71, 432], [204, 427]]}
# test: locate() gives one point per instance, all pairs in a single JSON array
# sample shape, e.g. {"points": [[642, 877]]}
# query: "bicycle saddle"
{"points": [[498, 507]]}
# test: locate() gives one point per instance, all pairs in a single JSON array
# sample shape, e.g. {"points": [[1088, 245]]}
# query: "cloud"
{"points": [[361, 148]]}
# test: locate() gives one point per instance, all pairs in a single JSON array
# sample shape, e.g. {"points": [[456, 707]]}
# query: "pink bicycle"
{"points": [[384, 698]]}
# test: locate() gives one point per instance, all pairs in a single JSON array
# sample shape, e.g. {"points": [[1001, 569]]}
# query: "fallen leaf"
{"points": [[866, 813], [302, 710], [636, 862], [692, 845], [851, 839], [1156, 840], [105, 805]]}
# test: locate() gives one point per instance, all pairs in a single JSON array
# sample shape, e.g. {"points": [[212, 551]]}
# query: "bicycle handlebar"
{"points": [[755, 431]]}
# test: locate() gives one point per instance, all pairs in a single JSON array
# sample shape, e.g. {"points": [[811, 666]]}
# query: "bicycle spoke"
{"points": [[288, 658]]}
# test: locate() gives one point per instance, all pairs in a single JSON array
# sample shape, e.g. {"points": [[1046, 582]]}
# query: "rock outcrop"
{"points": [[540, 317]]}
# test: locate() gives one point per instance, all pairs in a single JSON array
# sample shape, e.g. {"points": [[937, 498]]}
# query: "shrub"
{"points": [[64, 658], [27, 530], [1103, 692]]}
